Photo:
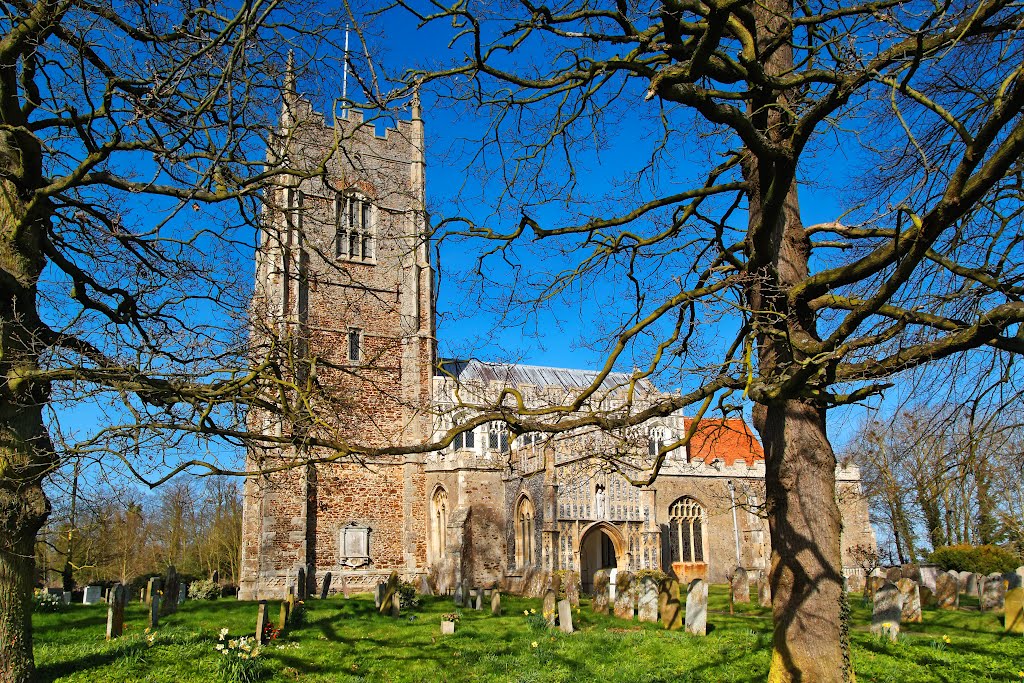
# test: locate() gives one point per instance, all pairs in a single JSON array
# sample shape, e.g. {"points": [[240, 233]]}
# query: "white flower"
{"points": [[223, 634], [220, 646]]}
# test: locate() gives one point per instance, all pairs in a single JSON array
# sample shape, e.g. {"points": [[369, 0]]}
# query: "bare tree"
{"points": [[922, 262]]}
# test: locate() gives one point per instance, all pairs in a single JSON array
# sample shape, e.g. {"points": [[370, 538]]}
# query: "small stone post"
{"points": [[261, 622]]}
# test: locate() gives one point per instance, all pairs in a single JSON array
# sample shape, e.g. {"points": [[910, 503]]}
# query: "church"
{"points": [[345, 284]]}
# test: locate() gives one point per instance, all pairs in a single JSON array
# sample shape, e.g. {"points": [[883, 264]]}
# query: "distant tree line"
{"points": [[943, 476], [108, 534]]}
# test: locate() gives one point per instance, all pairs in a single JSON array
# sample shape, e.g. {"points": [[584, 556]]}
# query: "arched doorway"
{"points": [[599, 549]]}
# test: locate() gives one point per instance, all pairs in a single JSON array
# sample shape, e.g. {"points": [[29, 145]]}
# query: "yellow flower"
{"points": [[946, 640], [1020, 674], [533, 611], [526, 612], [533, 644]]}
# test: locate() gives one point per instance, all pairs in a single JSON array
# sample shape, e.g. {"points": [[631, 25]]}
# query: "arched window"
{"points": [[686, 530], [354, 222], [524, 533], [439, 523]]}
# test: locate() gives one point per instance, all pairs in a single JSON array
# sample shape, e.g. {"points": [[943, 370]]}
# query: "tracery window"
{"points": [[439, 523], [524, 527], [686, 530], [656, 439], [497, 438], [355, 225]]}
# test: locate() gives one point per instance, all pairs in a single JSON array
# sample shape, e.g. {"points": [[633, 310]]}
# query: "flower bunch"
{"points": [[44, 602], [451, 616], [241, 661], [270, 633]]}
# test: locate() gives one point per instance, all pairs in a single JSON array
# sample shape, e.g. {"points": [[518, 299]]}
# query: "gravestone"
{"points": [[378, 595], [152, 588], [424, 587], [261, 622], [871, 586], [66, 597], [625, 593], [172, 588], [972, 585], [927, 596], [552, 582], [565, 616], [612, 574], [293, 613], [647, 600], [1013, 580], [300, 583], [479, 603], [669, 605], [154, 613], [396, 604], [893, 574], [764, 592], [115, 611], [910, 591], [390, 591], [310, 580], [496, 603], [855, 583], [447, 628], [600, 603], [572, 588], [947, 590], [1019, 571], [326, 588], [993, 592], [912, 572], [460, 597], [282, 617], [344, 586], [885, 618], [697, 607], [740, 585], [92, 595], [1013, 617], [550, 600], [929, 572]]}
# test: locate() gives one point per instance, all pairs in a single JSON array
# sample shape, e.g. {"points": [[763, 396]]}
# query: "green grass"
{"points": [[345, 640]]}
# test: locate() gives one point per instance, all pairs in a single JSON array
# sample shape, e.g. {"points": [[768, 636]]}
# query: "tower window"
{"points": [[356, 233], [355, 345]]}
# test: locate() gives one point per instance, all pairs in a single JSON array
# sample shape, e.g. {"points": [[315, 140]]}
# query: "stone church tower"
{"points": [[343, 299]]}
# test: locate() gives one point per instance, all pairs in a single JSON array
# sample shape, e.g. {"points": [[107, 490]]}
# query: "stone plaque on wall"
{"points": [[355, 545]]}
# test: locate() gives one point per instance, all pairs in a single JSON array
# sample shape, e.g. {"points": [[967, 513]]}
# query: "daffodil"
{"points": [[533, 644]]}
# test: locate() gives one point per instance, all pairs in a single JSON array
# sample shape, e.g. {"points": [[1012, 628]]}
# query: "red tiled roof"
{"points": [[729, 440]]}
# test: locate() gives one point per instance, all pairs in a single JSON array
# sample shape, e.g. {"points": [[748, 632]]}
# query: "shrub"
{"points": [[407, 595], [655, 574], [203, 590], [44, 602], [981, 559]]}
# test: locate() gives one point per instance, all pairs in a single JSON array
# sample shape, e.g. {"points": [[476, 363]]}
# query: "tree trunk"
{"points": [[810, 640]]}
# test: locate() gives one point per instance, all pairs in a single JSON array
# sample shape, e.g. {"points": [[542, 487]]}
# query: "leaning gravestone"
{"points": [[115, 611], [460, 597], [947, 590], [390, 590], [740, 585], [565, 616], [571, 582], [911, 611], [993, 592], [172, 588], [261, 622], [893, 574], [550, 606], [669, 605], [1013, 617], [764, 592], [326, 588], [624, 596], [1013, 580], [697, 608], [647, 600], [496, 603], [885, 619], [92, 595], [601, 592]]}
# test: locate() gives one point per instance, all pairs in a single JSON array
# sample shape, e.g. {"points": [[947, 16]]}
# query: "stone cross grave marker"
{"points": [[647, 600], [697, 608], [549, 609], [1013, 616], [261, 622], [326, 588], [740, 585], [92, 595], [565, 616], [600, 603], [115, 611], [572, 588], [496, 602], [625, 593], [947, 590], [669, 605], [885, 618], [911, 611], [993, 590]]}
